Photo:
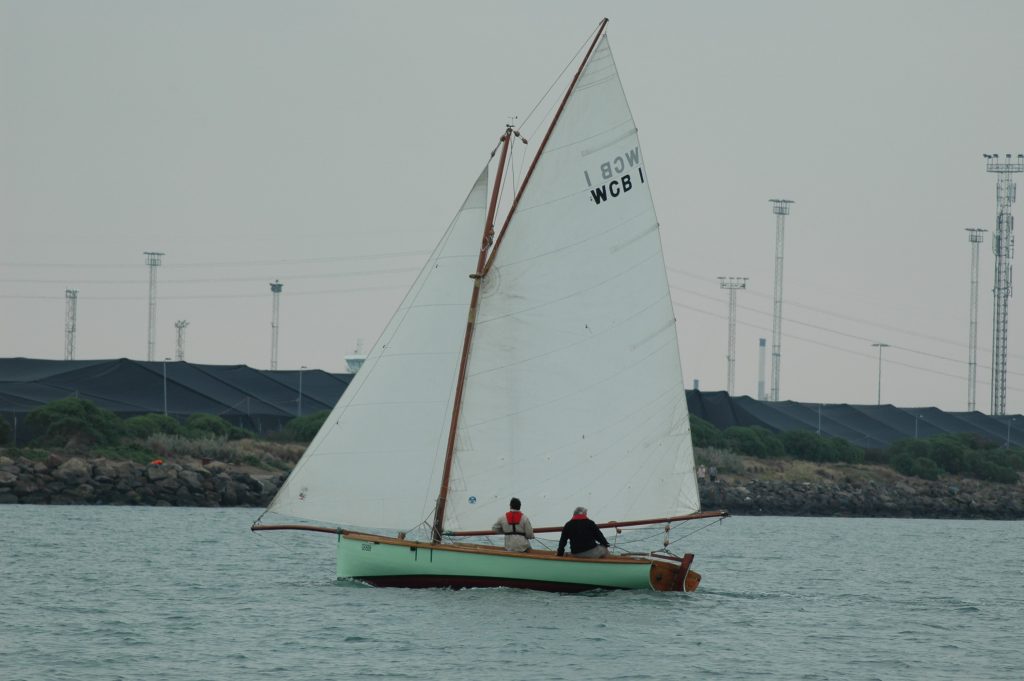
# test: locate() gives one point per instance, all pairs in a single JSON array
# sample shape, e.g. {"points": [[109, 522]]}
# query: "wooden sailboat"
{"points": [[551, 373]]}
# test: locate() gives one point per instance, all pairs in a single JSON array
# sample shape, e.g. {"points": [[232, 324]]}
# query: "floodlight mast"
{"points": [[275, 290], [732, 284], [179, 351], [153, 260], [975, 236], [781, 209], [1002, 288], [70, 322], [760, 369]]}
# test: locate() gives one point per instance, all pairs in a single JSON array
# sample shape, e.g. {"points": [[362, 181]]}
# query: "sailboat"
{"points": [[538, 360]]}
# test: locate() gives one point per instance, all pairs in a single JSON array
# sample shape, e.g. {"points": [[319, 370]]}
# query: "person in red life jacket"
{"points": [[516, 527], [584, 537]]}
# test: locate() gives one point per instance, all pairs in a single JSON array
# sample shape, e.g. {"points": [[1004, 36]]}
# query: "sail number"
{"points": [[615, 181]]}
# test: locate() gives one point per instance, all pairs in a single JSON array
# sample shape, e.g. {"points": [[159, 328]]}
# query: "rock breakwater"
{"points": [[77, 480], [907, 498]]}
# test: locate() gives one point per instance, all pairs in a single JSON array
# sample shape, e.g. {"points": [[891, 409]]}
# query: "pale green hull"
{"points": [[385, 562]]}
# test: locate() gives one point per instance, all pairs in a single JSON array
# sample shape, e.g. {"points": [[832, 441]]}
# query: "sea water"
{"points": [[164, 593]]}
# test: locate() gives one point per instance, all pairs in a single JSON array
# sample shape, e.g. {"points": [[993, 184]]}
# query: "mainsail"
{"points": [[377, 460], [574, 392]]}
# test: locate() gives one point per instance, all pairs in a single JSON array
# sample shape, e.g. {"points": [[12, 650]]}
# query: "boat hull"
{"points": [[386, 561]]}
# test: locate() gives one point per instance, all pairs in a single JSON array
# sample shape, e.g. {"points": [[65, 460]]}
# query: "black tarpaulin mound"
{"points": [[261, 401]]}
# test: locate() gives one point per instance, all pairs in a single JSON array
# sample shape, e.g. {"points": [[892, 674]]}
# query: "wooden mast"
{"points": [[483, 266], [543, 144], [488, 239]]}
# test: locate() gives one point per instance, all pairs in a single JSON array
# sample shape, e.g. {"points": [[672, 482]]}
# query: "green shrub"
{"points": [[949, 453], [753, 441], [75, 422], [802, 444], [200, 426], [141, 427], [847, 452], [916, 466], [305, 428], [772, 443]]}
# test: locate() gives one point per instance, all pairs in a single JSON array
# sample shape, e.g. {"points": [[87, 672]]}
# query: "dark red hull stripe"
{"points": [[459, 582]]}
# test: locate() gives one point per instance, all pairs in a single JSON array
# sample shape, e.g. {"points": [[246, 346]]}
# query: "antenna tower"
{"points": [[781, 209], [275, 289], [153, 260], [70, 321], [1002, 288], [179, 348], [732, 284], [975, 236]]}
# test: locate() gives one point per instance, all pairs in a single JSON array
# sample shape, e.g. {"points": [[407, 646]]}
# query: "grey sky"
{"points": [[328, 144]]}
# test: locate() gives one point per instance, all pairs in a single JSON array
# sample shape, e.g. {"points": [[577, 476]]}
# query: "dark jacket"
{"points": [[582, 535]]}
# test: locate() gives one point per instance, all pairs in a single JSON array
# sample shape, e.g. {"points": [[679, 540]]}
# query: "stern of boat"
{"points": [[671, 573]]}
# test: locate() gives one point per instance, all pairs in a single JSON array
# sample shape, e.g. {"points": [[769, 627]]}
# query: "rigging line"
{"points": [[981, 381], [557, 79], [790, 320]]}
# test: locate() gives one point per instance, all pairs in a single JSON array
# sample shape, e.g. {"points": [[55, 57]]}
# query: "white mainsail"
{"points": [[377, 460], [574, 393]]}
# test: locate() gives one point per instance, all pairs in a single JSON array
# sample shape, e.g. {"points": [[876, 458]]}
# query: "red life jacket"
{"points": [[514, 517], [579, 516]]}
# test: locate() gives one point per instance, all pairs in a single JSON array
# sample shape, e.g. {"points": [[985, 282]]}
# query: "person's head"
{"points": [[580, 510], [515, 504]]}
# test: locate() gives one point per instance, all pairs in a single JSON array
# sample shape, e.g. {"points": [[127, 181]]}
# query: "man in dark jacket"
{"points": [[584, 537]]}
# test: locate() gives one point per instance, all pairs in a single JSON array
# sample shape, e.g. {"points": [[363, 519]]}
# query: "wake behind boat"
{"points": [[491, 379]]}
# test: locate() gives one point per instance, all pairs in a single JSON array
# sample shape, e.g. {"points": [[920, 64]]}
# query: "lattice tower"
{"points": [[1002, 288], [179, 348], [781, 209], [70, 321], [275, 290], [732, 284], [153, 260], [975, 237], [760, 368]]}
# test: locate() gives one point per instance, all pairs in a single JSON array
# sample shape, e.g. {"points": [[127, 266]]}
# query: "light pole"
{"points": [[879, 346], [165, 384], [917, 420], [1008, 424], [819, 420], [301, 369]]}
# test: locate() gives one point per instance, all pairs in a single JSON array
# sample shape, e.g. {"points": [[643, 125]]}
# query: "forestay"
{"points": [[574, 392], [377, 460]]}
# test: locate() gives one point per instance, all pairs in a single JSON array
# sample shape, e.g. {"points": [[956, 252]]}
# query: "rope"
{"points": [[558, 78]]}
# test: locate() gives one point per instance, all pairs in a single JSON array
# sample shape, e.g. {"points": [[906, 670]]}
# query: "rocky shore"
{"points": [[78, 480], [188, 482], [905, 498]]}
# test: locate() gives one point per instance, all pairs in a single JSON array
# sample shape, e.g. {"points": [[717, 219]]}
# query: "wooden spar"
{"points": [[442, 497], [543, 144], [307, 528], [624, 523]]}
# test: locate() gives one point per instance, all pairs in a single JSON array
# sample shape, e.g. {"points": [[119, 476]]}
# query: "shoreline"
{"points": [[778, 487]]}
